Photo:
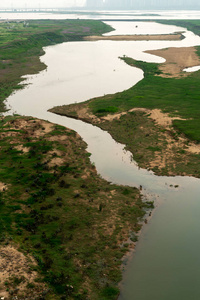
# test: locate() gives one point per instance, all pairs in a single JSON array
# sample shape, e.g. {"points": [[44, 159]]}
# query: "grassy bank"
{"points": [[72, 226], [192, 25], [21, 45], [175, 96]]}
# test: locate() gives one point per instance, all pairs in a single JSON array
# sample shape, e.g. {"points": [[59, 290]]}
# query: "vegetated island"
{"points": [[158, 118], [64, 230]]}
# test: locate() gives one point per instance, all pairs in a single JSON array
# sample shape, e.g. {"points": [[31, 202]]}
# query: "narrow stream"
{"points": [[166, 263]]}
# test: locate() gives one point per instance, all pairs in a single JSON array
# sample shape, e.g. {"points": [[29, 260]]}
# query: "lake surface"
{"points": [[166, 263]]}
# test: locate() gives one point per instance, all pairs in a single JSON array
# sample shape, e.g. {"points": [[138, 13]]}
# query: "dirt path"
{"points": [[177, 59], [154, 37]]}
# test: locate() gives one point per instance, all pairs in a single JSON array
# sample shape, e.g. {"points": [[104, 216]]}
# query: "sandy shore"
{"points": [[155, 37], [177, 59]]}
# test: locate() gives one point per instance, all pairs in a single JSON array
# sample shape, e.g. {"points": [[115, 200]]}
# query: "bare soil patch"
{"points": [[3, 187], [157, 115], [16, 273], [177, 59]]}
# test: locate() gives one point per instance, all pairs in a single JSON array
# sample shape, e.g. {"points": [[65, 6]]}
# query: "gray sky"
{"points": [[40, 3]]}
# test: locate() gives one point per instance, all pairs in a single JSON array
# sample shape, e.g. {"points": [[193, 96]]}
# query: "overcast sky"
{"points": [[40, 3]]}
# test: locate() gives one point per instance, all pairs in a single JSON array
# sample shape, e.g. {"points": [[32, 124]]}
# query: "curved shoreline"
{"points": [[168, 152]]}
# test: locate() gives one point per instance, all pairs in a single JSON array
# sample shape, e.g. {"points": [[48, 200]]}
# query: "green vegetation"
{"points": [[58, 30], [56, 208], [192, 25], [148, 68], [21, 45], [106, 110]]}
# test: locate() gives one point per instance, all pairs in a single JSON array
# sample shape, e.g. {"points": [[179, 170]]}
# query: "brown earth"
{"points": [[155, 37], [16, 272], [177, 59], [3, 187]]}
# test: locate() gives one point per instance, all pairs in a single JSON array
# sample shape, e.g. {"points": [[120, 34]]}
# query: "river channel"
{"points": [[166, 262]]}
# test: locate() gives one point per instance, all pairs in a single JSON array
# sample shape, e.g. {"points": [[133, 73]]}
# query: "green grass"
{"points": [[60, 29], [148, 68], [192, 25]]}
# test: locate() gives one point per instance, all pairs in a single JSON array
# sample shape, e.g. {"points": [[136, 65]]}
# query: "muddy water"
{"points": [[166, 263]]}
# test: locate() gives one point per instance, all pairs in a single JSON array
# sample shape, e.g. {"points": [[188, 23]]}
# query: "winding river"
{"points": [[166, 263]]}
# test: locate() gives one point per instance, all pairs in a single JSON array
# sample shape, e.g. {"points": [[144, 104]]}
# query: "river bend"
{"points": [[166, 263]]}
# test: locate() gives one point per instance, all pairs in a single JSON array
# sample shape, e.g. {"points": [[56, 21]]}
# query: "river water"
{"points": [[166, 263]]}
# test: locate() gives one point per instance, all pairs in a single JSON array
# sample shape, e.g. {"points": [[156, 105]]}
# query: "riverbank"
{"points": [[137, 117], [47, 182]]}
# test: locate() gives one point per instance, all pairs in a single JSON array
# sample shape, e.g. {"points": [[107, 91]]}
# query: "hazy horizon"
{"points": [[41, 4], [102, 4]]}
